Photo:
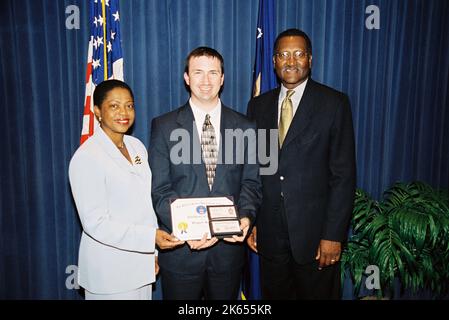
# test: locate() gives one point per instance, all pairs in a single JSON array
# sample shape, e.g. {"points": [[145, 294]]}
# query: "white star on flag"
{"points": [[116, 16], [107, 2], [99, 40], [100, 19], [96, 63], [95, 21], [109, 46], [95, 44], [112, 35]]}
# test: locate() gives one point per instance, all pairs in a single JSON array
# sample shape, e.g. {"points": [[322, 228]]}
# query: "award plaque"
{"points": [[224, 221], [190, 220]]}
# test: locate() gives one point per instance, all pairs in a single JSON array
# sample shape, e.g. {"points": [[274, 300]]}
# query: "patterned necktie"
{"points": [[210, 151], [286, 116]]}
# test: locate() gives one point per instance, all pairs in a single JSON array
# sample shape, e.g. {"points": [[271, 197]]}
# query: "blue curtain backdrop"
{"points": [[396, 78]]}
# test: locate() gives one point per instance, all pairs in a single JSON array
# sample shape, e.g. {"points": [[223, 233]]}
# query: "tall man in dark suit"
{"points": [[308, 202], [204, 268]]}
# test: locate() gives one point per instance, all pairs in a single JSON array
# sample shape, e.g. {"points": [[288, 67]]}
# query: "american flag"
{"points": [[104, 57]]}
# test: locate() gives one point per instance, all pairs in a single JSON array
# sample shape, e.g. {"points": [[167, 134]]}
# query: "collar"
{"points": [[299, 91], [199, 113]]}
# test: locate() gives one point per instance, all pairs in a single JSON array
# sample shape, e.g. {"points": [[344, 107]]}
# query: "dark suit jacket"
{"points": [[316, 172], [242, 181]]}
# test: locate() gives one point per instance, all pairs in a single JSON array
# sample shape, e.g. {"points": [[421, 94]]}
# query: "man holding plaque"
{"points": [[196, 166]]}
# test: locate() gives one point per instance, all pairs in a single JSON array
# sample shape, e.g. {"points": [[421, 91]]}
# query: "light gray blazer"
{"points": [[114, 204]]}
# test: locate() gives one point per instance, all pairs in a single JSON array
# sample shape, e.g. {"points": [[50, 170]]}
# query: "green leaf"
{"points": [[406, 235]]}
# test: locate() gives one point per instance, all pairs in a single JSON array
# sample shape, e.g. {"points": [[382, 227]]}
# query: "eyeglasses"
{"points": [[297, 55]]}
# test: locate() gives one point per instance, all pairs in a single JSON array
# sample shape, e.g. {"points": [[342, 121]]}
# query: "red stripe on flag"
{"points": [[88, 112], [84, 137], [88, 71]]}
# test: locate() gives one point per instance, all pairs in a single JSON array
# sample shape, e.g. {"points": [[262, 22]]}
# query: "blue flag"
{"points": [[264, 77], [264, 80]]}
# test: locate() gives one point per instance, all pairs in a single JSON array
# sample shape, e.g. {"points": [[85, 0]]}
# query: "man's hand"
{"points": [[252, 240], [244, 226], [156, 265], [328, 253], [202, 244], [166, 241]]}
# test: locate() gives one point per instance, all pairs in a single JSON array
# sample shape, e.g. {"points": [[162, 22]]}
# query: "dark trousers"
{"points": [[283, 278], [195, 286]]}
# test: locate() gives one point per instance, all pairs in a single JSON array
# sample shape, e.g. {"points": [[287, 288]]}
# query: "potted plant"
{"points": [[406, 235]]}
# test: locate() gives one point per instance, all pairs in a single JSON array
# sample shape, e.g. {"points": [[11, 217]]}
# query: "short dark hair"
{"points": [[104, 87], [204, 51], [293, 32]]}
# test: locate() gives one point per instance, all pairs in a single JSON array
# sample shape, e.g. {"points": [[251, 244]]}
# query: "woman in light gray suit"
{"points": [[111, 184]]}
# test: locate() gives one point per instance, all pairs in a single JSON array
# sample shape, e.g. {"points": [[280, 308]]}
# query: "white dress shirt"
{"points": [[215, 118], [296, 97], [113, 199]]}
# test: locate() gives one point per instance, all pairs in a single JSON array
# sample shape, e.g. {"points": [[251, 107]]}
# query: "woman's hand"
{"points": [[166, 241]]}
